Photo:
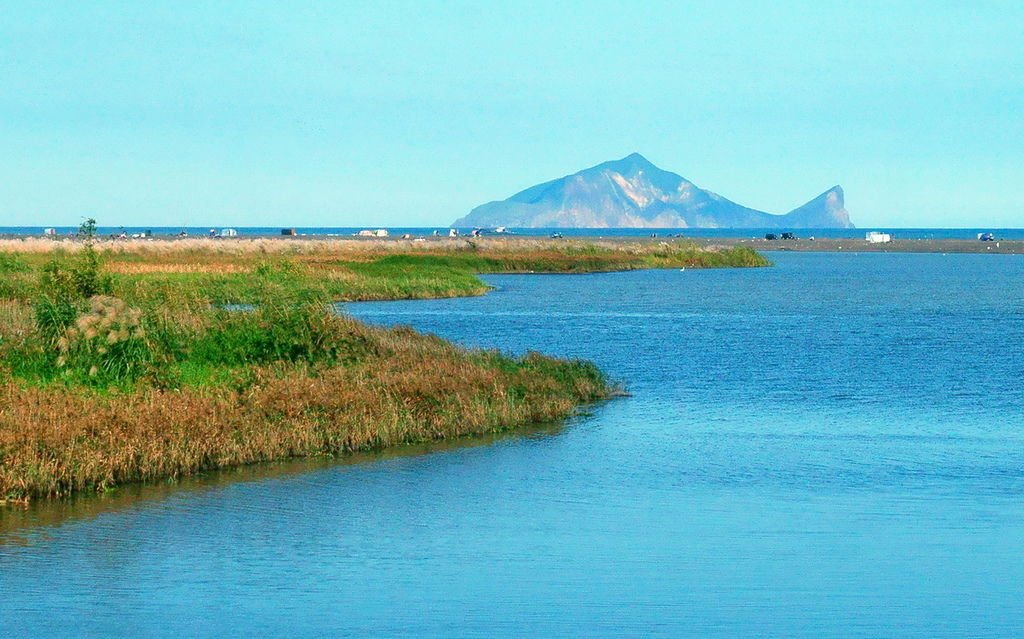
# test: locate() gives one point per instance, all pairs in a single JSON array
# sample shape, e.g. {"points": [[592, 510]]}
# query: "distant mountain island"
{"points": [[634, 193]]}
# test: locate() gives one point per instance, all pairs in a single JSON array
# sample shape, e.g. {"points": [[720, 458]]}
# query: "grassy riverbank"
{"points": [[121, 363], [233, 271], [392, 387]]}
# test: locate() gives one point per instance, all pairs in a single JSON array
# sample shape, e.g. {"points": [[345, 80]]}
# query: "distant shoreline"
{"points": [[15, 242], [907, 233], [832, 245]]}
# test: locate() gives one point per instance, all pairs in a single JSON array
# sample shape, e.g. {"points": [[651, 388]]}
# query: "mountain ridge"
{"points": [[632, 192]]}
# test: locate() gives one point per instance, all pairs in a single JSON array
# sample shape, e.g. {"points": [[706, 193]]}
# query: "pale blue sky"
{"points": [[345, 113]]}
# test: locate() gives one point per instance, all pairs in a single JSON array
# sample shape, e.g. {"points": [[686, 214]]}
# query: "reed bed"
{"points": [[56, 439], [347, 248], [140, 268]]}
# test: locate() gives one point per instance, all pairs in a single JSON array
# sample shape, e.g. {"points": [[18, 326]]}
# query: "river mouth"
{"points": [[830, 447]]}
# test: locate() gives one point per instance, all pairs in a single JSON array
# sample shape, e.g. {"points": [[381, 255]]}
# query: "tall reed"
{"points": [[56, 439]]}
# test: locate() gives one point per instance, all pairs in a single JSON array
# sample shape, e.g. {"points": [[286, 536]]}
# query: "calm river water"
{"points": [[833, 447]]}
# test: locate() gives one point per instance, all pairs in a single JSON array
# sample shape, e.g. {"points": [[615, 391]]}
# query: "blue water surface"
{"points": [[832, 447]]}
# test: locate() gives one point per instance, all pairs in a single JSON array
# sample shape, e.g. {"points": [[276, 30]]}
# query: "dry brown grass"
{"points": [[239, 246], [142, 268], [55, 440], [340, 248]]}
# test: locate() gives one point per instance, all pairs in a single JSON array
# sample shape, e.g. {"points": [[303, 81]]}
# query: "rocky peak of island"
{"points": [[632, 192]]}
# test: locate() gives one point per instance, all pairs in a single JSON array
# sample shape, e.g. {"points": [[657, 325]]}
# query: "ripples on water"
{"points": [[831, 447]]}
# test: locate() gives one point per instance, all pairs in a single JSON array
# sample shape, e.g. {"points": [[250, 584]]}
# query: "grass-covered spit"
{"points": [[127, 362]]}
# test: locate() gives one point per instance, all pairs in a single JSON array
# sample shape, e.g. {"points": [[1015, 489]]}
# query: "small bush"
{"points": [[75, 278], [66, 283], [106, 344]]}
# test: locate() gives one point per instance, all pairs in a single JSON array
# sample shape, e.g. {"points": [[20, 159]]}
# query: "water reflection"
{"points": [[22, 525]]}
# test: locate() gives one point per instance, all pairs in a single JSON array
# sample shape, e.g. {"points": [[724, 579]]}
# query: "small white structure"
{"points": [[228, 233], [49, 232], [874, 237], [453, 233], [380, 233]]}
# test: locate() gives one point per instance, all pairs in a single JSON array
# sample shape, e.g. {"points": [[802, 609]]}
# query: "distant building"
{"points": [[874, 237]]}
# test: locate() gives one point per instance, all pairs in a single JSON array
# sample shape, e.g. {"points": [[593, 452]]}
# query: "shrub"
{"points": [[106, 344], [65, 285]]}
